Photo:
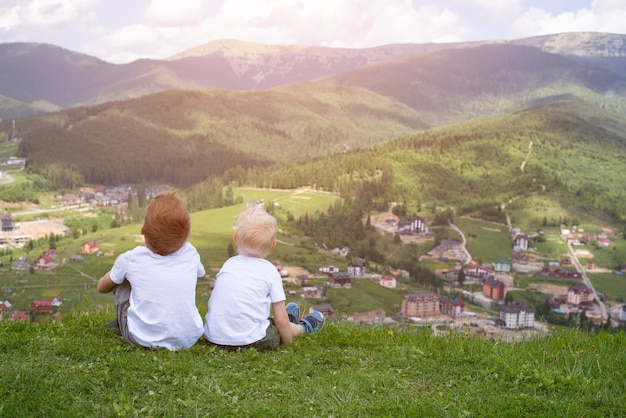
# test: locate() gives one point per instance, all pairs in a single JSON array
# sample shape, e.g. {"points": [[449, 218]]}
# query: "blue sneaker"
{"points": [[313, 322], [293, 312]]}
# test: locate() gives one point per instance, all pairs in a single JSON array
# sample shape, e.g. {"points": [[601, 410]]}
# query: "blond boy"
{"points": [[247, 286]]}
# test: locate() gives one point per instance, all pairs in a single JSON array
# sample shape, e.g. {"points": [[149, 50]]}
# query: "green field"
{"points": [[486, 242], [613, 285]]}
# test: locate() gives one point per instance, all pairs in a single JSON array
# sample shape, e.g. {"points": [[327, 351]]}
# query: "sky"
{"points": [[121, 31]]}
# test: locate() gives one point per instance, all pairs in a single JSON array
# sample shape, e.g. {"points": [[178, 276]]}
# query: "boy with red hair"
{"points": [[155, 284]]}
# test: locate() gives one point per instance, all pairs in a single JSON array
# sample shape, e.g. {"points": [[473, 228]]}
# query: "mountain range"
{"points": [[36, 78]]}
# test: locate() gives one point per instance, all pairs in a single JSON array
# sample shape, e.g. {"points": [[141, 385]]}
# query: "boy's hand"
{"points": [[281, 320]]}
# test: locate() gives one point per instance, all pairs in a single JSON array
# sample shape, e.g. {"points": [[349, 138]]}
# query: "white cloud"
{"points": [[44, 20], [135, 38], [54, 12], [501, 7], [174, 13], [9, 19], [349, 23], [603, 16]]}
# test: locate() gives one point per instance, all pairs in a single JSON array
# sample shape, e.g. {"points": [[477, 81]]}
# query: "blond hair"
{"points": [[167, 223], [255, 232]]}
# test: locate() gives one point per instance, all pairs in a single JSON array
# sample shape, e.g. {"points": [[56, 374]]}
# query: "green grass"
{"points": [[612, 285], [79, 368], [298, 202], [485, 241], [366, 295]]}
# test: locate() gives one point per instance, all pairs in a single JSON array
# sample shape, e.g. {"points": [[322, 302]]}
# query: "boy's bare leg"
{"points": [[296, 329]]}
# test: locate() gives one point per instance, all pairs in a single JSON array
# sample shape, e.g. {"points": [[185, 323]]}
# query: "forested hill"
{"points": [[558, 150], [182, 137], [208, 132]]}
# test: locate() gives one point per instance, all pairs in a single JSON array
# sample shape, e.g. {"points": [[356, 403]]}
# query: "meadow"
{"points": [[78, 368]]}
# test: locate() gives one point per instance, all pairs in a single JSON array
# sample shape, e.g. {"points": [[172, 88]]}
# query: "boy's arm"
{"points": [[105, 284], [281, 320]]}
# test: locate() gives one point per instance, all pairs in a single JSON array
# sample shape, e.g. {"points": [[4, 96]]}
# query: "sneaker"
{"points": [[293, 312], [313, 323], [113, 324]]}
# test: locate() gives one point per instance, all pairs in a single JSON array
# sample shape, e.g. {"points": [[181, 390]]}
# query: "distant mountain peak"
{"points": [[581, 44], [234, 49]]}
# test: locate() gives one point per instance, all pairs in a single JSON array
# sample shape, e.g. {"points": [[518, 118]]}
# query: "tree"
{"points": [[461, 277]]}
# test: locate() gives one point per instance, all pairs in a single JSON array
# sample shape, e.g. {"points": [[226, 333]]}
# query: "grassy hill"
{"points": [[568, 150], [79, 368]]}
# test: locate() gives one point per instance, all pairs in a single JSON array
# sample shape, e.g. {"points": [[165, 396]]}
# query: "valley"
{"points": [[479, 172]]}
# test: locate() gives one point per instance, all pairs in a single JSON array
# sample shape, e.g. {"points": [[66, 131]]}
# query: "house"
{"points": [[372, 317], [20, 316], [579, 293], [312, 292], [329, 269], [7, 222], [478, 272], [517, 316], [414, 225], [589, 237], [5, 306], [356, 268], [502, 265], [50, 252], [44, 262], [340, 280], [419, 305], [341, 251], [20, 265], [622, 314], [388, 282], [281, 270], [57, 301], [494, 289], [603, 242], [302, 279], [90, 247], [520, 242], [451, 306], [70, 199], [40, 306], [325, 308]]}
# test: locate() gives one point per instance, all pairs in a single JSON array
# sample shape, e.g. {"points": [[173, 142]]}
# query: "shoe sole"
{"points": [[293, 313]]}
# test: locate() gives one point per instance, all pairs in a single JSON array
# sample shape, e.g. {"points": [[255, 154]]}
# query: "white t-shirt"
{"points": [[239, 306], [163, 310]]}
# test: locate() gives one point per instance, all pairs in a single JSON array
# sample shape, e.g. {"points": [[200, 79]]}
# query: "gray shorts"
{"points": [[122, 302], [271, 341]]}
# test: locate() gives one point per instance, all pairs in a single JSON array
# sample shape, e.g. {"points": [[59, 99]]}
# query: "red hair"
{"points": [[167, 223]]}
